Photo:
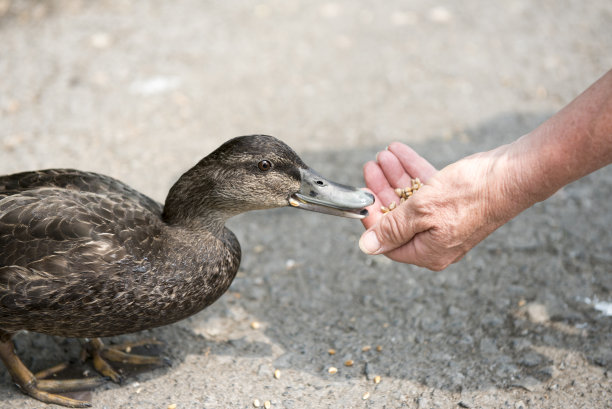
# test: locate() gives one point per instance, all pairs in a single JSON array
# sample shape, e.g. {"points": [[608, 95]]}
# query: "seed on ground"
{"points": [[172, 406], [379, 348], [256, 403], [348, 362], [255, 325], [366, 348], [366, 396], [267, 404], [377, 379], [331, 351], [277, 374], [332, 370]]}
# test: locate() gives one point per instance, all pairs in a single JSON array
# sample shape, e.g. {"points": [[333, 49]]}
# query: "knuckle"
{"points": [[392, 229]]}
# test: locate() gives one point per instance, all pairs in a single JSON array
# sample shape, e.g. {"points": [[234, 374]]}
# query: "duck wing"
{"points": [[72, 179], [58, 245]]}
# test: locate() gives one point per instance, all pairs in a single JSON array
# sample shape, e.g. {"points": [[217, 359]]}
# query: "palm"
{"points": [[394, 168]]}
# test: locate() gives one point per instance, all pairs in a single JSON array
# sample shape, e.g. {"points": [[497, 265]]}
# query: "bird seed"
{"points": [[404, 194]]}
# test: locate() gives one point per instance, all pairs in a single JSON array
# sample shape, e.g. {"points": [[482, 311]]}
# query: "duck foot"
{"points": [[38, 387], [101, 354]]}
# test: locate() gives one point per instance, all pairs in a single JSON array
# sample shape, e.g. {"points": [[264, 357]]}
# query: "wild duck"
{"points": [[84, 255]]}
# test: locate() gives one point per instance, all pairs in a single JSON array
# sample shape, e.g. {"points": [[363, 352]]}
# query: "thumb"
{"points": [[393, 230]]}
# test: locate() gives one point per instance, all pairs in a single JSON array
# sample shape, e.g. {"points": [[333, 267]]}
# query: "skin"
{"points": [[463, 203]]}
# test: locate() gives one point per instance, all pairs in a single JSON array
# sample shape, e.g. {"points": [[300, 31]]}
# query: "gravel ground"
{"points": [[142, 90]]}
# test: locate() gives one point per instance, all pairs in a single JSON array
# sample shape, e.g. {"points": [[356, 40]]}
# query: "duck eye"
{"points": [[264, 165]]}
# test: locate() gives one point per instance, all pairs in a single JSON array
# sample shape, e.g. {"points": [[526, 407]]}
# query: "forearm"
{"points": [[571, 144]]}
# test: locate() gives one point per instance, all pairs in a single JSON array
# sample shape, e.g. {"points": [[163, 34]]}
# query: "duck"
{"points": [[84, 255]]}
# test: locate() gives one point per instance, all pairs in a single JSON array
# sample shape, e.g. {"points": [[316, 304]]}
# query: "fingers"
{"points": [[413, 163], [390, 231], [377, 182], [374, 212], [398, 234], [393, 170]]}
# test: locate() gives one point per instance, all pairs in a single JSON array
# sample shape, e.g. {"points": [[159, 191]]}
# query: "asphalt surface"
{"points": [[142, 90]]}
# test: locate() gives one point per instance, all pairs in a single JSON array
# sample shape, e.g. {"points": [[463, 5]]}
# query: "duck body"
{"points": [[84, 255]]}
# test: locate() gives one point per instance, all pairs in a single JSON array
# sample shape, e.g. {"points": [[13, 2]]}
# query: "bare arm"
{"points": [[464, 202]]}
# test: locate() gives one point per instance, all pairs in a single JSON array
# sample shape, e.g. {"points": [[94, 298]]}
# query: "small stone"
{"points": [[520, 405], [537, 313], [440, 15], [100, 40]]}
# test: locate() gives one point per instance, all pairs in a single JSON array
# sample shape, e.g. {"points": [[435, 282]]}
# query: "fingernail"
{"points": [[369, 243]]}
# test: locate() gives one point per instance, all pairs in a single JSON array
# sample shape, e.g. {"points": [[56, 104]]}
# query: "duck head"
{"points": [[258, 172]]}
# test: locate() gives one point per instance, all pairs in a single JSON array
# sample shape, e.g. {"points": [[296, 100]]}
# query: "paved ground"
{"points": [[142, 90]]}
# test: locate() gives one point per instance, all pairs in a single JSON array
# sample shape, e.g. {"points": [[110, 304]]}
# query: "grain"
{"points": [[255, 325], [348, 362], [377, 379], [403, 194], [256, 403], [366, 396], [267, 404], [331, 351], [277, 374], [332, 370]]}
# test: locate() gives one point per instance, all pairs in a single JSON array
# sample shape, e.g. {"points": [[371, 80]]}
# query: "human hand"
{"points": [[453, 211]]}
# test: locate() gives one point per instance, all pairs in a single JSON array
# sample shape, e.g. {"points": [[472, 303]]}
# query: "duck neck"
{"points": [[194, 202]]}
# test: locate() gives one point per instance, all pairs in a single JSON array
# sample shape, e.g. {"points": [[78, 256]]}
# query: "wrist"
{"points": [[512, 183]]}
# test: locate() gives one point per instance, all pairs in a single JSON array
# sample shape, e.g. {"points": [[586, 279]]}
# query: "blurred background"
{"points": [[141, 90], [127, 88]]}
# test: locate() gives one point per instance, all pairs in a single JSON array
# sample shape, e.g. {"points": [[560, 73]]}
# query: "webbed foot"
{"points": [[38, 387], [101, 354]]}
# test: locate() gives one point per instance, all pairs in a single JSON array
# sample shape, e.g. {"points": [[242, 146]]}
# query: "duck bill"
{"points": [[318, 194]]}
